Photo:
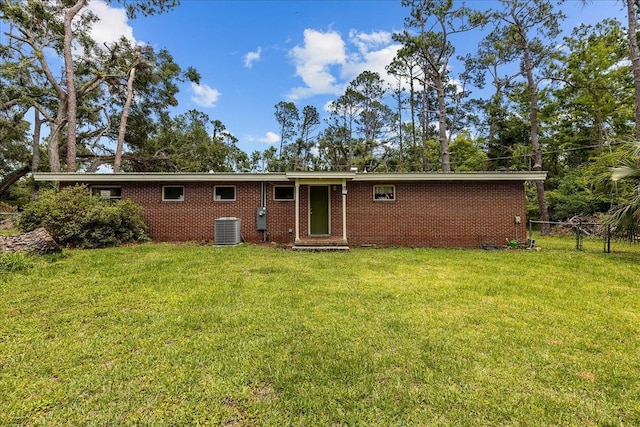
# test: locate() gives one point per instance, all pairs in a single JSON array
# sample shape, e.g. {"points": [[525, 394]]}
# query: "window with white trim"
{"points": [[224, 193], [283, 192], [384, 192], [173, 193], [111, 193]]}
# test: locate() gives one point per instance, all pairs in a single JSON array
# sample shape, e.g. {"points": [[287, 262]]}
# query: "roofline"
{"points": [[320, 175], [288, 176], [453, 176], [159, 177]]}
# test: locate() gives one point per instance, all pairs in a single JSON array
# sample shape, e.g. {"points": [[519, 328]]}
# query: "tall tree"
{"points": [[531, 27], [432, 24], [374, 117], [71, 10], [406, 67], [592, 106], [302, 155], [633, 12], [69, 72], [492, 55], [122, 129], [64, 26], [287, 116]]}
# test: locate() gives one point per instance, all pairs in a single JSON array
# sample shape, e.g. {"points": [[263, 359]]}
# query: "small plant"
{"points": [[14, 261], [76, 218], [6, 207]]}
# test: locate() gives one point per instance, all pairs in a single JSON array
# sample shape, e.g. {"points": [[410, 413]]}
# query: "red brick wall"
{"points": [[431, 214], [194, 218], [280, 218], [436, 214]]}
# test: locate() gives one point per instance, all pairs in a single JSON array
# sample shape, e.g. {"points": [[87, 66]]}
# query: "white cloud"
{"points": [[367, 41], [252, 57], [313, 62], [204, 95], [112, 25], [326, 65], [375, 60], [270, 138]]}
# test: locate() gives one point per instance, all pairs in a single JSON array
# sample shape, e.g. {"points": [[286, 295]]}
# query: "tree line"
{"points": [[561, 105]]}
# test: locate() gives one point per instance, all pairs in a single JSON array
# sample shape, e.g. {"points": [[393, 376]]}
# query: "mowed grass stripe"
{"points": [[162, 334]]}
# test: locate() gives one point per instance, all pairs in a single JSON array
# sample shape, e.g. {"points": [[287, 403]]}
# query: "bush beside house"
{"points": [[76, 218]]}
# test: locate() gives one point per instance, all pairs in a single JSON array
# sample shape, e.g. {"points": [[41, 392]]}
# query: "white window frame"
{"points": [[376, 192], [293, 192], [101, 188], [215, 193], [165, 199]]}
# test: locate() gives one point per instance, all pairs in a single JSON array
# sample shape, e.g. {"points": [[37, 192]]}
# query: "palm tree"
{"points": [[625, 219]]}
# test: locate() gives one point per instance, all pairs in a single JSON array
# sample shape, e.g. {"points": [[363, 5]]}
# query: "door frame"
{"points": [[328, 187]]}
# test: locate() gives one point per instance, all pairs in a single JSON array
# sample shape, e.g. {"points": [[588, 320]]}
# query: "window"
{"points": [[283, 192], [173, 193], [224, 193], [111, 193], [384, 192]]}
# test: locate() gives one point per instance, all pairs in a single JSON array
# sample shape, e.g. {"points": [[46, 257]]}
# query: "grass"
{"points": [[160, 334]]}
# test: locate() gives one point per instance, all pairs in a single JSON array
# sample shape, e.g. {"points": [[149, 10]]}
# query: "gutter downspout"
{"points": [[344, 210], [297, 225]]}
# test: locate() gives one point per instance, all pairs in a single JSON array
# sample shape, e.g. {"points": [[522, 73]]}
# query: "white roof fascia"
{"points": [[160, 177], [453, 176], [301, 177], [320, 175]]}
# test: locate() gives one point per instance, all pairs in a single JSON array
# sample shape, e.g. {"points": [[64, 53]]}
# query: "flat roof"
{"points": [[288, 176], [158, 177]]}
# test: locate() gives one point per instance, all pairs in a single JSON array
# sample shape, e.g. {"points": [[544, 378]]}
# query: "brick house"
{"points": [[307, 209]]}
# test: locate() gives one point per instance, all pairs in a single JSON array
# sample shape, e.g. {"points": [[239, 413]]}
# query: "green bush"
{"points": [[76, 218]]}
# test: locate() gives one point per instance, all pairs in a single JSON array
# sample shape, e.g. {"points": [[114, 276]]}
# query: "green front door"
{"points": [[319, 209]]}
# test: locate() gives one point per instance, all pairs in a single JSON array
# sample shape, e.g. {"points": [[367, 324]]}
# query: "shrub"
{"points": [[76, 218]]}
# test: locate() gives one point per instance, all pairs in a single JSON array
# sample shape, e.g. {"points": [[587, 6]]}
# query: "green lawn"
{"points": [[162, 334]]}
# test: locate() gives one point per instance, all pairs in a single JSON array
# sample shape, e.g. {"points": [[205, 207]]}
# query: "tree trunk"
{"points": [[71, 84], [400, 142], [12, 178], [53, 145], [635, 58], [35, 145], [38, 241], [125, 114], [424, 125], [442, 125], [414, 133], [535, 141]]}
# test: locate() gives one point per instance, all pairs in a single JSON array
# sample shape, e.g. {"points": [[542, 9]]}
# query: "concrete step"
{"points": [[318, 248]]}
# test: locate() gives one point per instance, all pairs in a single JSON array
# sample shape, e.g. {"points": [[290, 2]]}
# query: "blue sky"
{"points": [[253, 54]]}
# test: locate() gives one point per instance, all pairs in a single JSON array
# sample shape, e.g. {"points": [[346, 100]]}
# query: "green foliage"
{"points": [[580, 192], [74, 217], [14, 261], [625, 217], [466, 155], [189, 142]]}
